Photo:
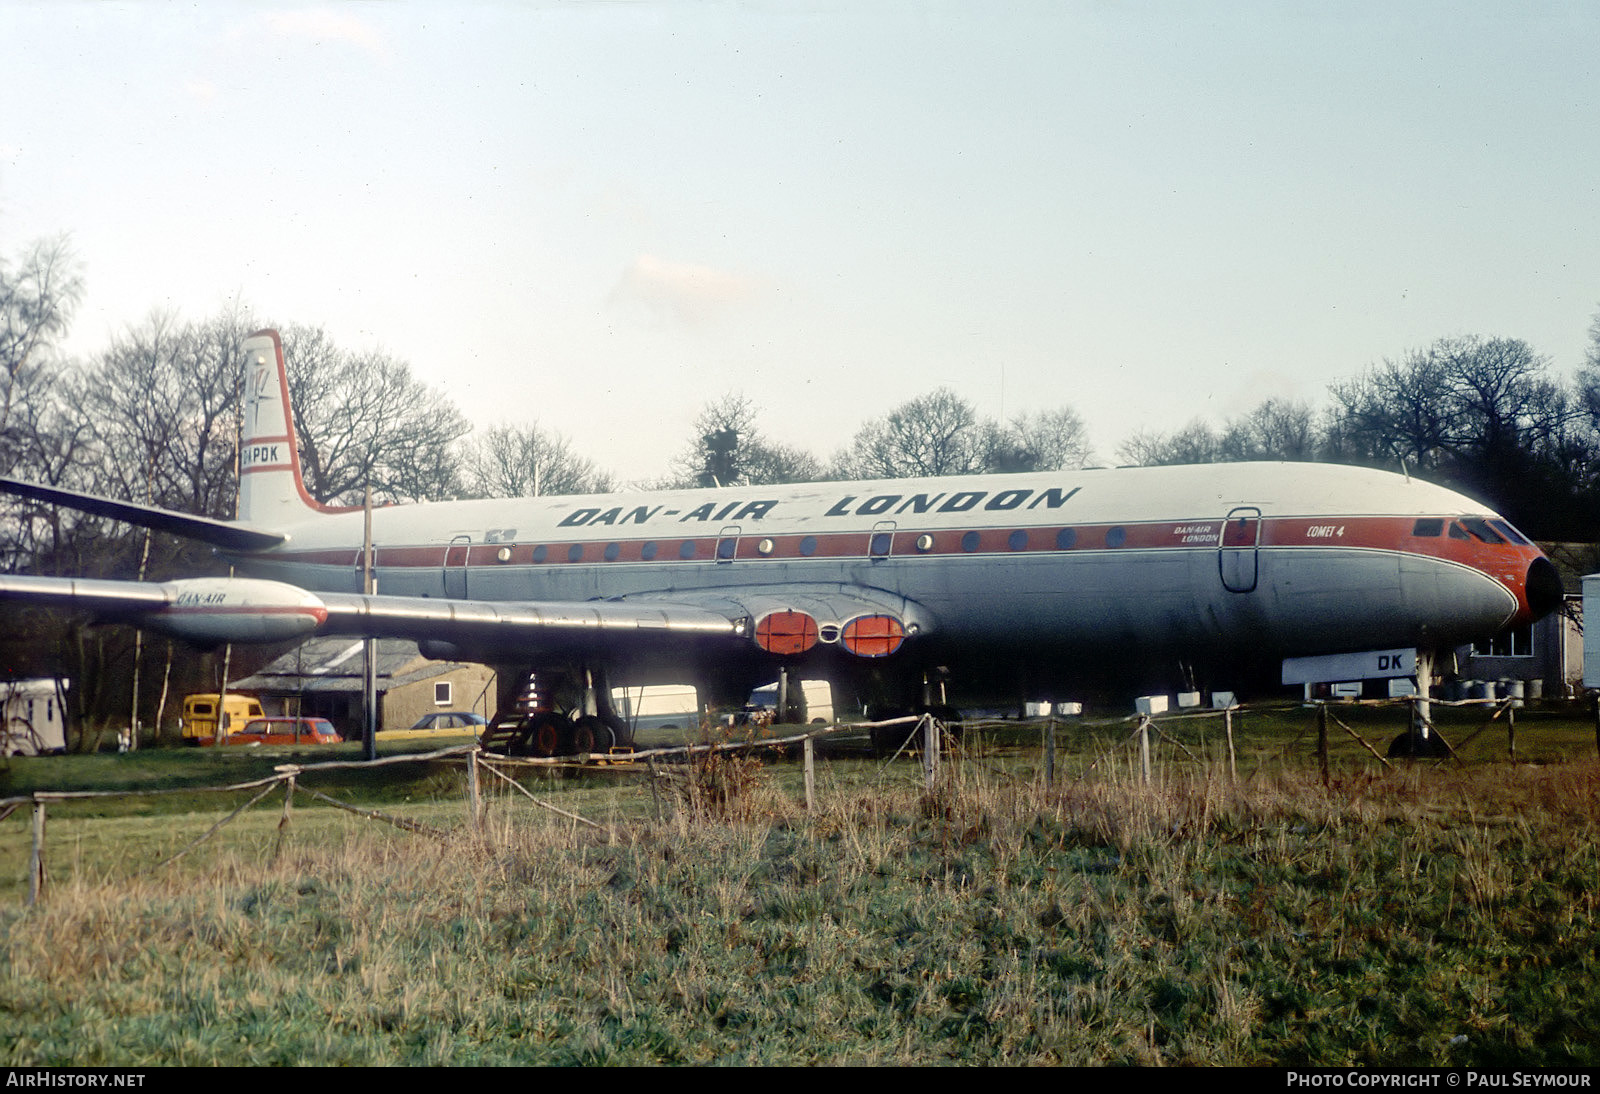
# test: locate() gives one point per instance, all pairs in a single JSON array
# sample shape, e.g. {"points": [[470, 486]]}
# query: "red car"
{"points": [[284, 731]]}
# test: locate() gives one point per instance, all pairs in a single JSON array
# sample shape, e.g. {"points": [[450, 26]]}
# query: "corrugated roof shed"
{"points": [[335, 665]]}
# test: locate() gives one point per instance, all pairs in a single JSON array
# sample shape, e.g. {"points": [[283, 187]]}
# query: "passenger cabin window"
{"points": [[1428, 527]]}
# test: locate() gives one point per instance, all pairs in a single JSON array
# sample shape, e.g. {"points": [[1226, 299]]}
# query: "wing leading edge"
{"points": [[779, 620], [209, 610]]}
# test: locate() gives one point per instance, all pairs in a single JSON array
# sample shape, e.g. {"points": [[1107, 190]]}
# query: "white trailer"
{"points": [[33, 721]]}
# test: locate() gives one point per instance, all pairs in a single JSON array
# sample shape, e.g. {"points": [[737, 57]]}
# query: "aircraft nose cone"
{"points": [[1543, 588]]}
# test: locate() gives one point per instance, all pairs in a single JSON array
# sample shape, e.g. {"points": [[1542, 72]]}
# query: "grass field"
{"points": [[1426, 914]]}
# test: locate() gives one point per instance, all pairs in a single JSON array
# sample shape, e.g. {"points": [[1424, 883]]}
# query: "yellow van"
{"points": [[199, 722]]}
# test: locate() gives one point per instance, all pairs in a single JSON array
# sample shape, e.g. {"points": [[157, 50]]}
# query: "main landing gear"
{"points": [[534, 724], [887, 740]]}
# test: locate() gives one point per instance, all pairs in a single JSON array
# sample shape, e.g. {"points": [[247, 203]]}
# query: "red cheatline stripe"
{"points": [[319, 614], [1369, 533]]}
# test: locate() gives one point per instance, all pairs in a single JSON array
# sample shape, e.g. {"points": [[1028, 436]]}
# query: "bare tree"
{"points": [[934, 434], [1483, 415], [509, 461], [1277, 429], [1045, 440], [941, 433], [1452, 406], [164, 402], [1591, 352], [37, 299], [1196, 442], [728, 446], [363, 418], [55, 444]]}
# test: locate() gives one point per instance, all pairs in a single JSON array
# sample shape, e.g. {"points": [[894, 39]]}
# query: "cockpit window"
{"points": [[1479, 529], [1458, 532], [1505, 529], [1428, 526]]}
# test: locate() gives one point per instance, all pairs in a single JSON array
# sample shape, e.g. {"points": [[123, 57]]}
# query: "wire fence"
{"points": [[689, 771]]}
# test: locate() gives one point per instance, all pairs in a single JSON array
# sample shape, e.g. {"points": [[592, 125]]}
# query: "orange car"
{"points": [[284, 731]]}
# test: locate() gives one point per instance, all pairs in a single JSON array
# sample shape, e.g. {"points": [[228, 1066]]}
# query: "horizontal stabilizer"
{"points": [[218, 533]]}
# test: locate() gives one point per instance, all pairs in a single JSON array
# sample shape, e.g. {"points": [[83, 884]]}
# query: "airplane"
{"points": [[1027, 583]]}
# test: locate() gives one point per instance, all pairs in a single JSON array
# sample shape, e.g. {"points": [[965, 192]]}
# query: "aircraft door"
{"points": [[880, 545], [1238, 549], [727, 544], [455, 567]]}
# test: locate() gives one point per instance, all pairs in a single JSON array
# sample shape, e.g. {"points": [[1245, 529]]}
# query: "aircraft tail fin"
{"points": [[272, 492]]}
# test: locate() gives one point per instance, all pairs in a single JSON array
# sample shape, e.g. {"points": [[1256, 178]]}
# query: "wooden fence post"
{"points": [[811, 773], [283, 820], [474, 796], [655, 792], [36, 857], [931, 730], [1227, 726], [1322, 738], [1144, 749], [1050, 749]]}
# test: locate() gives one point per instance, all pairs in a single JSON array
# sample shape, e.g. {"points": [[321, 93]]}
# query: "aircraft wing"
{"points": [[781, 619], [511, 628], [228, 535], [109, 599], [222, 609]]}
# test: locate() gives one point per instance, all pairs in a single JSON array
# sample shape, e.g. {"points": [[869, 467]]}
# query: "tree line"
{"points": [[154, 418], [1487, 416]]}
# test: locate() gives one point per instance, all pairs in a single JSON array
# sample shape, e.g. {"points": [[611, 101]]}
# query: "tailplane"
{"points": [[272, 493]]}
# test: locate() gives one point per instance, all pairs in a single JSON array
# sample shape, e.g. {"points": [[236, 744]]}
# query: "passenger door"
{"points": [[1238, 549]]}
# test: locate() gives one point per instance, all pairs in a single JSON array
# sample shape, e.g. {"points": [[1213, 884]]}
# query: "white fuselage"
{"points": [[1319, 558]]}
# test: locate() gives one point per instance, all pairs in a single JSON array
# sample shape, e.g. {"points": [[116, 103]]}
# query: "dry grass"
{"points": [[1422, 917]]}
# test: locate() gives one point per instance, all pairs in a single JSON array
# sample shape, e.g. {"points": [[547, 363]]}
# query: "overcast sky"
{"points": [[601, 215]]}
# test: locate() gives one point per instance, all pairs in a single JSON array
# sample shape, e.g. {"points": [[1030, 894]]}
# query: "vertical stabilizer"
{"points": [[271, 492]]}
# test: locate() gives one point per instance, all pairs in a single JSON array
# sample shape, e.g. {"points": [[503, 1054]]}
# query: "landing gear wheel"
{"points": [[605, 738], [544, 734], [587, 733]]}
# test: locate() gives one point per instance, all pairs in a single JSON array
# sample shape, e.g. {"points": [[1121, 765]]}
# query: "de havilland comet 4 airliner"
{"points": [[1020, 584]]}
